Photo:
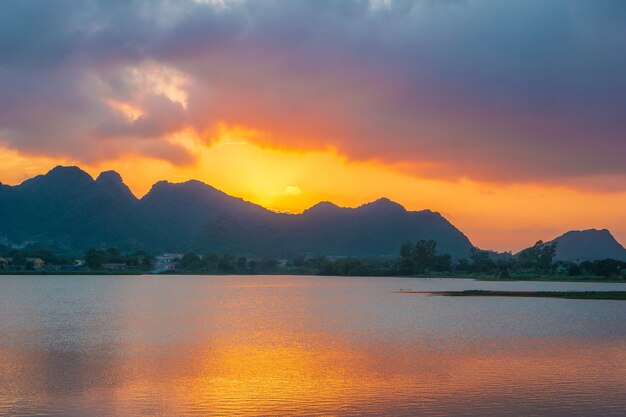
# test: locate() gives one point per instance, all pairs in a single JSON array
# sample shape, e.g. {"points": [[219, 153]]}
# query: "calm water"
{"points": [[204, 346]]}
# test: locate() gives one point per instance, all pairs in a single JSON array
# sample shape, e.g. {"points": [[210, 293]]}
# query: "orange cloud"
{"points": [[497, 216]]}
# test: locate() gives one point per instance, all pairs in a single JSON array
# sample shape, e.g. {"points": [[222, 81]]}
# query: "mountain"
{"points": [[588, 245], [195, 216], [377, 228], [67, 207]]}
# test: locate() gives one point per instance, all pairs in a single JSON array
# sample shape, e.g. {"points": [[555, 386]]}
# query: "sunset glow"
{"points": [[312, 208], [251, 363], [498, 216], [287, 121]]}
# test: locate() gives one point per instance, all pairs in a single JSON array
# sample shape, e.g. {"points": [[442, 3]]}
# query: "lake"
{"points": [[292, 345]]}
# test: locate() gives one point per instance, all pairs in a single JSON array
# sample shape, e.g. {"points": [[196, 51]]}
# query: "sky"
{"points": [[506, 117]]}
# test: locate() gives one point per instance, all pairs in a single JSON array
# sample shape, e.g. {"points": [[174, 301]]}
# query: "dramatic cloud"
{"points": [[485, 89]]}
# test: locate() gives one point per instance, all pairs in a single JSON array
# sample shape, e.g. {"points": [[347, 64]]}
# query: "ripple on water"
{"points": [[315, 346]]}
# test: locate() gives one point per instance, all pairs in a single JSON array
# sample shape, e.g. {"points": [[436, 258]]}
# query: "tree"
{"points": [[463, 265], [19, 257], [424, 255], [406, 250], [227, 264], [318, 262], [481, 261], [114, 255], [95, 258], [442, 263], [209, 262], [503, 271], [189, 262], [574, 270], [299, 261], [537, 258], [528, 259], [347, 266], [546, 255], [147, 261], [44, 254], [267, 265], [140, 260], [421, 257], [242, 264], [405, 265]]}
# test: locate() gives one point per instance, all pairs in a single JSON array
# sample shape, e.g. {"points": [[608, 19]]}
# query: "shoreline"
{"points": [[589, 279], [571, 295]]}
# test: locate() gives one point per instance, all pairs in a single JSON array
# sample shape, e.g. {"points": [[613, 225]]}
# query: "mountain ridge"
{"points": [[67, 207], [588, 245]]}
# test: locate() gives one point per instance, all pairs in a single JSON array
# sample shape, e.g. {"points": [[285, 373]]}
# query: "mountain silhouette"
{"points": [[588, 245], [68, 208]]}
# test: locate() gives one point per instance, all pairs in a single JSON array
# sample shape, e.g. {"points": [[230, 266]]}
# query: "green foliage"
{"points": [[356, 267], [242, 264], [190, 262], [140, 260], [266, 266], [503, 272], [463, 266], [574, 270], [482, 262], [417, 258], [95, 258], [19, 257], [538, 258], [210, 262], [299, 262], [422, 257], [227, 264], [608, 268]]}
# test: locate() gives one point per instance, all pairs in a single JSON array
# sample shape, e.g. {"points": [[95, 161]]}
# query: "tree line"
{"points": [[419, 258], [422, 257]]}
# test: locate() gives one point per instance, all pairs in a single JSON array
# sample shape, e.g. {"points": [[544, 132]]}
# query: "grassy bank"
{"points": [[51, 273], [291, 271], [574, 295]]}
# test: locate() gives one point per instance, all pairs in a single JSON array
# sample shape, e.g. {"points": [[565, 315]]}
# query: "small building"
{"points": [[75, 265], [4, 263], [36, 263], [167, 262]]}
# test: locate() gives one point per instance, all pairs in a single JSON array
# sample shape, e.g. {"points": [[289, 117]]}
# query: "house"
{"points": [[36, 263], [75, 265], [166, 262], [4, 263]]}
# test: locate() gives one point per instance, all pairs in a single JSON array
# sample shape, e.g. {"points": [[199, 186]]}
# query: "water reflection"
{"points": [[319, 347]]}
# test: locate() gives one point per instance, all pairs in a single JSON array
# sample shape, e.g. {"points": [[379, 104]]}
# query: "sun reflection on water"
{"points": [[266, 347]]}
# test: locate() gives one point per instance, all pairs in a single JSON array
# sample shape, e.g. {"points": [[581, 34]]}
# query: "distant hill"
{"points": [[68, 208], [588, 245]]}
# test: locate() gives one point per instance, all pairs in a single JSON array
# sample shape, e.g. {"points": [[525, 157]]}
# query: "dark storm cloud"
{"points": [[485, 89]]}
